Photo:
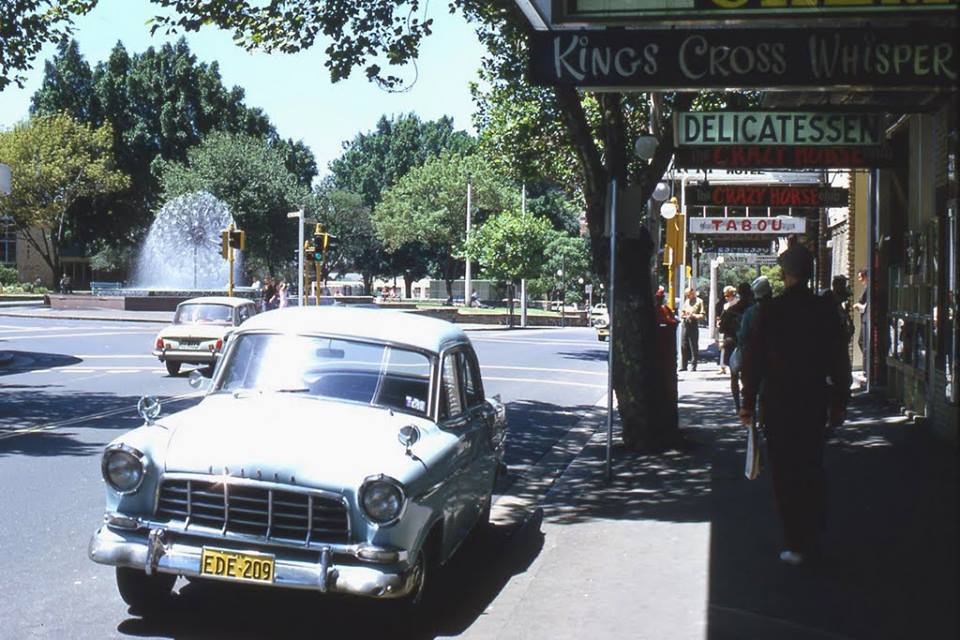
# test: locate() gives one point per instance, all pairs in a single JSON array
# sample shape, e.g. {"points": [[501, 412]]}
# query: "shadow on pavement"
{"points": [[26, 361], [466, 586], [889, 564]]}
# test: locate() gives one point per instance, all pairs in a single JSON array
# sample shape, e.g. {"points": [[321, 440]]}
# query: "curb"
{"points": [[81, 317]]}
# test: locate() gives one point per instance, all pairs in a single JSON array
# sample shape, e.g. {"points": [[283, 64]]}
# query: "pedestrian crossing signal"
{"points": [[225, 244], [238, 239]]}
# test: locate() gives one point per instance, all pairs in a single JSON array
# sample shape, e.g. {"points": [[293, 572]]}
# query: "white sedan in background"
{"points": [[200, 328]]}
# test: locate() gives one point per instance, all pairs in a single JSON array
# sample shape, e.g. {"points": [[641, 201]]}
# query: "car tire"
{"points": [[173, 368], [144, 594], [424, 593]]}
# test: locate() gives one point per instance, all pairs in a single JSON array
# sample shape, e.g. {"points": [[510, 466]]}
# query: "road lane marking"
{"points": [[81, 335], [548, 369], [93, 416], [562, 383], [143, 356], [582, 343]]}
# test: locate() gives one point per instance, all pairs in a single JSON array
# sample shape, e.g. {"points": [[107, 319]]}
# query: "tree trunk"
{"points": [[512, 290], [641, 397], [408, 284]]}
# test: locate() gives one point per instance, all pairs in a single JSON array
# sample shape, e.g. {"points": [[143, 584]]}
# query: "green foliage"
{"points": [[775, 276], [8, 275], [251, 177], [569, 255], [510, 246], [428, 205], [26, 25], [55, 161], [160, 103]]}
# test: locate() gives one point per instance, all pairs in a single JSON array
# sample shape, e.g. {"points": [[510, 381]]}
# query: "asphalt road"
{"points": [[72, 386]]}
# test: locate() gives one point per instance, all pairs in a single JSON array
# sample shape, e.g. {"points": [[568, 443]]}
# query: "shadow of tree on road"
{"points": [[26, 361]]}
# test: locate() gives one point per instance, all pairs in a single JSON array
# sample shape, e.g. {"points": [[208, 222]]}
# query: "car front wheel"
{"points": [[142, 592], [173, 368]]}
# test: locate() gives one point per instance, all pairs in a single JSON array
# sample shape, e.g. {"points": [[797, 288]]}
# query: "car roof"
{"points": [[380, 325], [232, 302]]}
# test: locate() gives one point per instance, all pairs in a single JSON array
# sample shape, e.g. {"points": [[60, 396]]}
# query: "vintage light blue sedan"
{"points": [[340, 450]]}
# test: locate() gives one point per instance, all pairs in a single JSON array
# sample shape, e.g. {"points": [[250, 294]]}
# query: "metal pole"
{"points": [[229, 262], [610, 315], [302, 277], [523, 281], [563, 291], [467, 286]]}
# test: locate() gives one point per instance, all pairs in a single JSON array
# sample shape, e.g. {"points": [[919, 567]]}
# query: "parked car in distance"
{"points": [[333, 452], [199, 330]]}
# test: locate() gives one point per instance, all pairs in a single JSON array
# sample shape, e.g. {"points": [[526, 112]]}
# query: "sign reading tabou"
{"points": [[814, 59], [622, 10], [779, 226], [744, 195], [734, 157], [777, 129]]}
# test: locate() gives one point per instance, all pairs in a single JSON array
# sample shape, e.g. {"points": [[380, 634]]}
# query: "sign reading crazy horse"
{"points": [[781, 226], [815, 59], [742, 195]]}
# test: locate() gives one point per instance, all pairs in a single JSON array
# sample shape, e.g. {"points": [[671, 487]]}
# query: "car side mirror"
{"points": [[196, 380]]}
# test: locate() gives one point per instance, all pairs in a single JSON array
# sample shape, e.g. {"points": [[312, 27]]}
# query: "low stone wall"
{"points": [[442, 313], [81, 301], [570, 320]]}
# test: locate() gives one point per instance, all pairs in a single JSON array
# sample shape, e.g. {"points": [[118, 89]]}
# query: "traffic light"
{"points": [[319, 243], [238, 239], [308, 252], [225, 244]]}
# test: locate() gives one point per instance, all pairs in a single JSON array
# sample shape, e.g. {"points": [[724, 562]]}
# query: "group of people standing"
{"points": [[274, 294]]}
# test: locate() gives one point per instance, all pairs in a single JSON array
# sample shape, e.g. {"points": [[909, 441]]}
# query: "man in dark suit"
{"points": [[797, 362]]}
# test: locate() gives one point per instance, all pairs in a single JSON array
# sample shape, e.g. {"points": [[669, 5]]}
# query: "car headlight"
{"points": [[381, 499], [122, 468]]}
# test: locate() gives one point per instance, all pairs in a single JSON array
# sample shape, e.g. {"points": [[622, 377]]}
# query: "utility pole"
{"points": [[523, 281], [301, 276], [467, 285]]}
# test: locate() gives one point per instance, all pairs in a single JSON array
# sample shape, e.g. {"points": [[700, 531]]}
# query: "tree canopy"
{"points": [[251, 177], [55, 161], [510, 246]]}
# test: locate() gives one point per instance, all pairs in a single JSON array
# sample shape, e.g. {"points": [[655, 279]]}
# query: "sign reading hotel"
{"points": [[733, 157], [780, 226], [777, 129], [815, 59], [622, 10], [766, 196]]}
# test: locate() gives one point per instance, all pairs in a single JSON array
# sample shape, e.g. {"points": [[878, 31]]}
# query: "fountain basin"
{"points": [[141, 299]]}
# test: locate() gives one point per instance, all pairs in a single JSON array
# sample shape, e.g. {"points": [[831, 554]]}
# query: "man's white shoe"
{"points": [[791, 557]]}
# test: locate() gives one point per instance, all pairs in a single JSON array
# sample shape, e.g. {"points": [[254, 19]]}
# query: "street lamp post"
{"points": [[300, 288], [563, 293], [467, 284]]}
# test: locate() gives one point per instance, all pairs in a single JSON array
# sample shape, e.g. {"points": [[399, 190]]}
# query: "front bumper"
{"points": [[162, 552], [188, 356]]}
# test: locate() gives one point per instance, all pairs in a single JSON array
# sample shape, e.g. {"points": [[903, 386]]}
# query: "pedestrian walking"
{"points": [[268, 293], [691, 313], [664, 314], [796, 353], [729, 299], [861, 307], [729, 326], [282, 295], [838, 296]]}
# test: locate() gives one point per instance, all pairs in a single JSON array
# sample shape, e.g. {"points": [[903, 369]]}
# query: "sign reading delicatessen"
{"points": [[780, 226], [815, 59]]}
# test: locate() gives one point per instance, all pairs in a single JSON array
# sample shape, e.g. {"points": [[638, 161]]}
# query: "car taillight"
{"points": [[219, 344], [159, 343]]}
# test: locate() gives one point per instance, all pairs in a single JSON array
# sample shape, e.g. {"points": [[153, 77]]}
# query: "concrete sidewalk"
{"points": [[683, 546]]}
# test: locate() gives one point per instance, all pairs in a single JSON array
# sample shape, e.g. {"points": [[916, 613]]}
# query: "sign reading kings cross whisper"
{"points": [[815, 59]]}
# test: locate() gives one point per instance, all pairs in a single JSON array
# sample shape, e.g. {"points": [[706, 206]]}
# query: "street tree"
{"points": [[252, 178], [160, 103], [569, 256], [55, 161], [428, 205], [510, 246]]}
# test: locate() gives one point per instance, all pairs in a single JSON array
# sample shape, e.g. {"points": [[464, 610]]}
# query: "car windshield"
{"points": [[350, 370], [203, 314]]}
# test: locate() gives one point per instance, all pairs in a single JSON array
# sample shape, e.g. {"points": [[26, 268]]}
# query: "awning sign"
{"points": [[780, 226], [778, 129], [814, 59], [748, 258], [621, 10], [776, 157], [743, 195]]}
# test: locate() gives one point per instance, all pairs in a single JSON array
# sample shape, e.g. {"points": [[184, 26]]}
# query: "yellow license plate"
{"points": [[251, 567]]}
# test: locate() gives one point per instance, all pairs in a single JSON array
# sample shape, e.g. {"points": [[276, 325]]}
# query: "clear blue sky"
{"points": [[294, 90]]}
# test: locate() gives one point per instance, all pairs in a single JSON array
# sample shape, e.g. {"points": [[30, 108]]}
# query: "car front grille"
{"points": [[253, 510]]}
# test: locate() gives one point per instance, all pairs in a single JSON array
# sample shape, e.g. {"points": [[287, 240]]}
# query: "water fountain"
{"points": [[180, 259], [182, 249]]}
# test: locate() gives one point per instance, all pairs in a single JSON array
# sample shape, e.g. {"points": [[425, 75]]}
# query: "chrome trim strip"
{"points": [[250, 482], [226, 508], [309, 520], [189, 501], [270, 512]]}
